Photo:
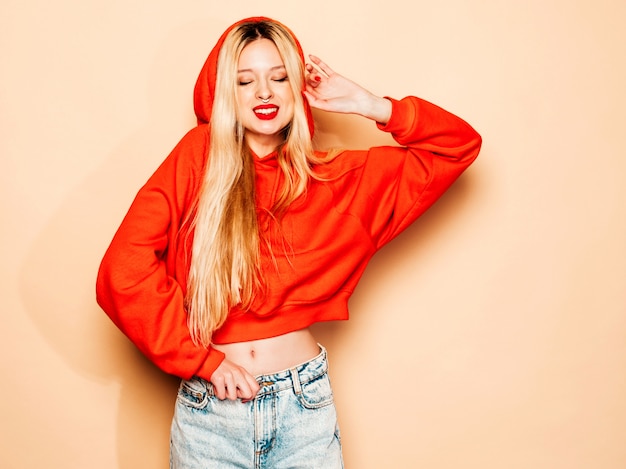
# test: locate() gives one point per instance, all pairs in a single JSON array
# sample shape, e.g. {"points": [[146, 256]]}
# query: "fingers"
{"points": [[219, 386], [313, 78], [321, 65], [232, 382], [317, 73], [253, 389], [314, 102]]}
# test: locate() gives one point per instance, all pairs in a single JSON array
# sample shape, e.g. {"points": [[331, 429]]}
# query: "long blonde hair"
{"points": [[224, 269]]}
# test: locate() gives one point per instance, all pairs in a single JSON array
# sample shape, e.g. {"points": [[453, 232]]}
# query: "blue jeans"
{"points": [[291, 423]]}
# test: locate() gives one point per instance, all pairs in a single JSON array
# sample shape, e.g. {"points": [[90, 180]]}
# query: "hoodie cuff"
{"points": [[403, 120], [213, 360]]}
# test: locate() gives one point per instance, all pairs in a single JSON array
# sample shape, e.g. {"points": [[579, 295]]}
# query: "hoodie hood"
{"points": [[204, 90]]}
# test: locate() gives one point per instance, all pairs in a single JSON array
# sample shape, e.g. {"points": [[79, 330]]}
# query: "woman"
{"points": [[245, 236]]}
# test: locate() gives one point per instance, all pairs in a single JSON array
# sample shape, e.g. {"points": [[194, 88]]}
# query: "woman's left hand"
{"points": [[329, 91]]}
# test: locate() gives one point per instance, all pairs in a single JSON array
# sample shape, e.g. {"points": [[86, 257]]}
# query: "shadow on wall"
{"points": [[57, 285], [57, 280], [58, 289]]}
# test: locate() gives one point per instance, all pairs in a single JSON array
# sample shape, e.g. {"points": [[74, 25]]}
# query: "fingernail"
{"points": [[318, 78]]}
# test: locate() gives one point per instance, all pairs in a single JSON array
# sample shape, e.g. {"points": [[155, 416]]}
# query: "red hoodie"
{"points": [[321, 249]]}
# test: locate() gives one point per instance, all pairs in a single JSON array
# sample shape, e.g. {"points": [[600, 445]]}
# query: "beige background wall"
{"points": [[491, 334]]}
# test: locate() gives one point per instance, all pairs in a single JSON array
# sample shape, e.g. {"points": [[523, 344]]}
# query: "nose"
{"points": [[264, 90]]}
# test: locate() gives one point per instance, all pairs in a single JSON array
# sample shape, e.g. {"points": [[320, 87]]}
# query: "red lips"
{"points": [[266, 111]]}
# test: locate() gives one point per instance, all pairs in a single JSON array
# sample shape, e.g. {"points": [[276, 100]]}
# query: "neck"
{"points": [[264, 146]]}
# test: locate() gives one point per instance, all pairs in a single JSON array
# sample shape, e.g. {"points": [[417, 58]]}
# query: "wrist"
{"points": [[378, 109]]}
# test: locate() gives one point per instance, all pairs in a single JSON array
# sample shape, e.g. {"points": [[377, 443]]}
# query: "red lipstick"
{"points": [[266, 111]]}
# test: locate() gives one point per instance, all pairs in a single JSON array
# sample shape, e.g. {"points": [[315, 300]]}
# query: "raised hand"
{"points": [[329, 91]]}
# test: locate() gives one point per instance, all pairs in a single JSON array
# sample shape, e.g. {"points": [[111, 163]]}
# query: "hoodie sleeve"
{"points": [[397, 184], [140, 284]]}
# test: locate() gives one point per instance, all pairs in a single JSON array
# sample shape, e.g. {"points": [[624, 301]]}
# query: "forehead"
{"points": [[261, 54]]}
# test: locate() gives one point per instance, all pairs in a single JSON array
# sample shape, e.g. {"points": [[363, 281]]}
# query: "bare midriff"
{"points": [[266, 356]]}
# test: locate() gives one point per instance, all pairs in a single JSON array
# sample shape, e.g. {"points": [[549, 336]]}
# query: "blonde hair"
{"points": [[224, 269]]}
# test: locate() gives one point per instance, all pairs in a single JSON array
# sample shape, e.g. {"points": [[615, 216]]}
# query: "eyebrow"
{"points": [[276, 67]]}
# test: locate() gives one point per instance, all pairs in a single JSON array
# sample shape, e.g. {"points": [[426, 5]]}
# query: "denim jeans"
{"points": [[291, 423]]}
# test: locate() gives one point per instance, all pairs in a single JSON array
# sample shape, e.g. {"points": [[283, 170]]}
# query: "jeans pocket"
{"points": [[316, 393], [193, 393]]}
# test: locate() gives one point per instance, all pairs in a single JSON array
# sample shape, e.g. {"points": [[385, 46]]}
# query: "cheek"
{"points": [[290, 112], [289, 101], [289, 97], [243, 94], [243, 102]]}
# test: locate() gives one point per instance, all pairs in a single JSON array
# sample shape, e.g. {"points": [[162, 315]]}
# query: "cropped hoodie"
{"points": [[320, 250]]}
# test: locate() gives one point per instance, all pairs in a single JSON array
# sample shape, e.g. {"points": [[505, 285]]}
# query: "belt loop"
{"points": [[295, 378]]}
